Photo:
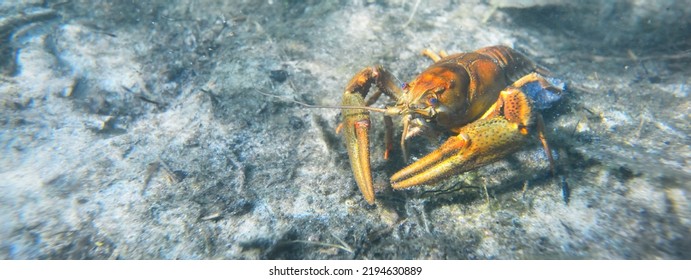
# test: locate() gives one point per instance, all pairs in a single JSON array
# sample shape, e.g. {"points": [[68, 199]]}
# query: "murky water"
{"points": [[148, 131]]}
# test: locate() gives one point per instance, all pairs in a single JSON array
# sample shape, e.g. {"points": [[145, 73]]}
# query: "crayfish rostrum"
{"points": [[488, 100]]}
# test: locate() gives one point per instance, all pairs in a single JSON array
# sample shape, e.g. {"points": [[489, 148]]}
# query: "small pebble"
{"points": [[278, 75]]}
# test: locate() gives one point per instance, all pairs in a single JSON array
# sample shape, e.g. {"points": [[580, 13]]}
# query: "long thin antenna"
{"points": [[410, 19], [321, 106]]}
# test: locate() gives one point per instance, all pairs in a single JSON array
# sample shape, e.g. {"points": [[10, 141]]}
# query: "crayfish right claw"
{"points": [[356, 124], [356, 121], [355, 127]]}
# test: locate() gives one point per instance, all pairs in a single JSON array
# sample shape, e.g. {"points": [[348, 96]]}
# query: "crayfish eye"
{"points": [[434, 102]]}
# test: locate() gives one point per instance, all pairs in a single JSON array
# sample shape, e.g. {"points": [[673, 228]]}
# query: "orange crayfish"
{"points": [[486, 99]]}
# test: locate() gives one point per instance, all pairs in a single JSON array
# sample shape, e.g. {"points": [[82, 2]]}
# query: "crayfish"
{"points": [[487, 100]]}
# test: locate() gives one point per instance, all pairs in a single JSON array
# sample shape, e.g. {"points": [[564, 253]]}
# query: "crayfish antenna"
{"points": [[309, 106]]}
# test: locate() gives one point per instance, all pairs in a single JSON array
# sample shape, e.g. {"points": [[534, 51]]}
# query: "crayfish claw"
{"points": [[477, 144], [355, 126]]}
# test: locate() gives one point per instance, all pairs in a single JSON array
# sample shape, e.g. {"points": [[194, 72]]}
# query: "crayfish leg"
{"points": [[433, 56]]}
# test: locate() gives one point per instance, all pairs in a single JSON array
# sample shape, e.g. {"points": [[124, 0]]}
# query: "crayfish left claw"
{"points": [[477, 144]]}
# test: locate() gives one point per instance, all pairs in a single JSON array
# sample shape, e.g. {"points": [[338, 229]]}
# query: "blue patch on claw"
{"points": [[544, 98]]}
